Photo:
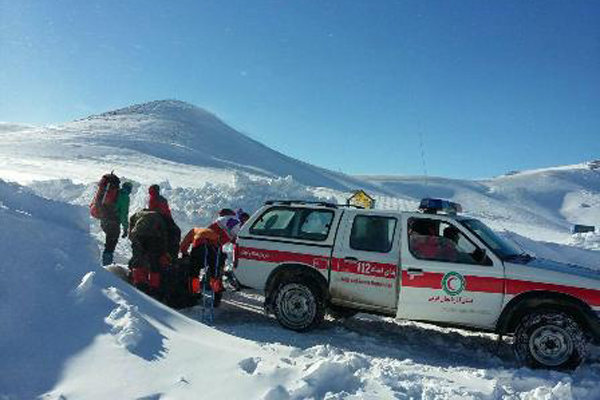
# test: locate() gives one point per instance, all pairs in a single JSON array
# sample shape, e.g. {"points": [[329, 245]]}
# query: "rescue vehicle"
{"points": [[432, 265]]}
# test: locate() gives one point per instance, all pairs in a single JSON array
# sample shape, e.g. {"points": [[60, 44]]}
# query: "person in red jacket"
{"points": [[158, 203], [424, 242]]}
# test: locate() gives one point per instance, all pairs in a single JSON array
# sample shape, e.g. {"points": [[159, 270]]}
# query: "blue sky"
{"points": [[347, 85]]}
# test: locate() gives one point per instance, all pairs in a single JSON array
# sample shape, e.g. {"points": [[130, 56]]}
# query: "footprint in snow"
{"points": [[132, 331], [276, 393], [286, 360], [155, 396], [249, 365]]}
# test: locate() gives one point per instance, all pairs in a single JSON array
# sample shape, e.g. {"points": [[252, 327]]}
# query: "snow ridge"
{"points": [[169, 108]]}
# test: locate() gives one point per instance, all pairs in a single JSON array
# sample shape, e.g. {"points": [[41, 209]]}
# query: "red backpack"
{"points": [[106, 194]]}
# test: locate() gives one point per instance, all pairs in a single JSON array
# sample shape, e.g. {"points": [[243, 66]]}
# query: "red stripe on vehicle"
{"points": [[275, 256], [486, 284], [432, 280], [368, 268], [590, 296], [374, 269]]}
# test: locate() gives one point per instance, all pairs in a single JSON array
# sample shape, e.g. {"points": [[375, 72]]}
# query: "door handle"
{"points": [[351, 259], [414, 271]]}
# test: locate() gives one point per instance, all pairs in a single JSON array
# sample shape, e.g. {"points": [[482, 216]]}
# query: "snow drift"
{"points": [[45, 247]]}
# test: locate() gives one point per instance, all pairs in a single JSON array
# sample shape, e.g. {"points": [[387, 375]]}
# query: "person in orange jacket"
{"points": [[224, 230], [207, 246]]}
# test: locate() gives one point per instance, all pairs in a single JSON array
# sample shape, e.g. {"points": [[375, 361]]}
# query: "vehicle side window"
{"points": [[275, 222], [372, 233], [295, 223], [315, 225], [430, 239]]}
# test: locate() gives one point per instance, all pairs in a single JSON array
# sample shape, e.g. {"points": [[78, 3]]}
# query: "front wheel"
{"points": [[298, 305], [552, 340]]}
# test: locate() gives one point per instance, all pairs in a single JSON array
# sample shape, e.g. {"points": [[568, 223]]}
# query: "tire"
{"points": [[549, 340], [298, 304]]}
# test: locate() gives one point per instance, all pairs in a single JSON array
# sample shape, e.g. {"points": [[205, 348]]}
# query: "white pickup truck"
{"points": [[433, 265]]}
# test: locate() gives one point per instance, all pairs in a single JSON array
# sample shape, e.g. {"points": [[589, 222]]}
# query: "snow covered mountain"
{"points": [[153, 136]]}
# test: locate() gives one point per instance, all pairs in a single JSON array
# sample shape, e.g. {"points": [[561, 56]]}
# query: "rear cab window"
{"points": [[373, 233], [294, 223]]}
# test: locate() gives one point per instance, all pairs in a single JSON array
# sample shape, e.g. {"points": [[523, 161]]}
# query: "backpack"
{"points": [[148, 223], [181, 287], [106, 195]]}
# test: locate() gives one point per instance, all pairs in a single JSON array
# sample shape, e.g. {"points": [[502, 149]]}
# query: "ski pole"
{"points": [[204, 286], [216, 269]]}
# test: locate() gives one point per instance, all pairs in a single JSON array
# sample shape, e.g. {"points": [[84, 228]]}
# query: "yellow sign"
{"points": [[362, 199]]}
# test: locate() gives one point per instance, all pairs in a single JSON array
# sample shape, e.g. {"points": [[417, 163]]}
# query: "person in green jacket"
{"points": [[112, 220], [123, 207]]}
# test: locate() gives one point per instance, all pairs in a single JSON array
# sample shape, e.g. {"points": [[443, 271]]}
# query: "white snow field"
{"points": [[71, 330]]}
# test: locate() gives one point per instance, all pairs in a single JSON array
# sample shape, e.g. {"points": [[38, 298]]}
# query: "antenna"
{"points": [[423, 161]]}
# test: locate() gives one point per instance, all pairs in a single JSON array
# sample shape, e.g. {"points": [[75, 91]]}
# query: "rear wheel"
{"points": [[298, 304], [549, 339]]}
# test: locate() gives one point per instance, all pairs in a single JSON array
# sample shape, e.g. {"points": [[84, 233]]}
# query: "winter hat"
{"points": [[244, 217], [230, 224], [154, 189], [241, 215], [223, 212], [127, 187]]}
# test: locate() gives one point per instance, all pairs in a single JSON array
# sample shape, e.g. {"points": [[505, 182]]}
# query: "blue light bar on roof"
{"points": [[433, 206]]}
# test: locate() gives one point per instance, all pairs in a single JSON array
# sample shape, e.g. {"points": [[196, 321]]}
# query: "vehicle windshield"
{"points": [[503, 248]]}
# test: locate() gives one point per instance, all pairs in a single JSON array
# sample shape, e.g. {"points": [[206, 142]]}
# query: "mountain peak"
{"points": [[169, 108], [183, 133]]}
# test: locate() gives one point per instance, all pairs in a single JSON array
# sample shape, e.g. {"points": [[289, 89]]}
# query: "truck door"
{"points": [[364, 266], [447, 274]]}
